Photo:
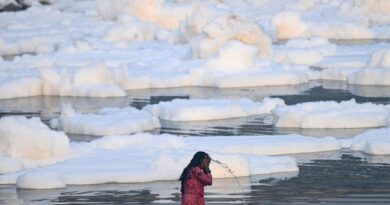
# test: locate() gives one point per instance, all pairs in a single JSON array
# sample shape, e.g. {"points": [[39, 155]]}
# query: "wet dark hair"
{"points": [[195, 161]]}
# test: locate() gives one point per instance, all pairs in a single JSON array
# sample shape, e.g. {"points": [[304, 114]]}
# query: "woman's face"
{"points": [[206, 162]]}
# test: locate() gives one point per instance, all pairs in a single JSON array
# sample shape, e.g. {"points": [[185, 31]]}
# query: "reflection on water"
{"points": [[48, 107], [345, 178], [223, 190], [347, 41], [340, 91], [369, 91], [358, 41], [252, 125], [332, 178]]}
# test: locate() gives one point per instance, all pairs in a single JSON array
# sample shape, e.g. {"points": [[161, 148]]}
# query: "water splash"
{"points": [[225, 166]]}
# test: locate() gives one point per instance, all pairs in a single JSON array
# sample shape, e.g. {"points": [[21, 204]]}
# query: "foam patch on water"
{"points": [[377, 71], [376, 142], [28, 143], [142, 158], [211, 109], [30, 139], [330, 114], [106, 48], [302, 51], [107, 121], [91, 81], [9, 164], [146, 157]]}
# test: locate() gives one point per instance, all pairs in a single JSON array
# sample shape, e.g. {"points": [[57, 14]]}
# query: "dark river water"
{"points": [[341, 177]]}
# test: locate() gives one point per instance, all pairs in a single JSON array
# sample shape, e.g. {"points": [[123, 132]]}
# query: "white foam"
{"points": [[266, 145], [380, 58], [30, 139], [225, 28], [338, 73], [200, 29], [211, 109], [107, 121], [303, 51], [39, 180], [288, 24], [234, 57], [20, 87], [375, 142], [9, 165], [132, 30], [92, 81], [167, 15], [262, 75], [146, 157], [370, 76], [330, 114], [377, 71]]}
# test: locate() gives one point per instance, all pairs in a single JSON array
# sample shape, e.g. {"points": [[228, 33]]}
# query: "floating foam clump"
{"points": [[166, 15], [330, 114], [39, 180], [375, 10], [139, 141], [380, 58], [144, 157], [266, 145], [230, 27], [20, 87], [304, 51], [338, 73], [234, 57], [340, 30], [110, 10], [8, 165], [76, 47], [288, 24], [211, 109], [107, 121], [272, 74], [28, 44], [193, 25], [370, 76], [377, 71], [373, 142], [30, 139], [131, 31], [93, 81]]}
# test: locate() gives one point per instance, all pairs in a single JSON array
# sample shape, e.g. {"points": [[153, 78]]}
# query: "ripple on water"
{"points": [[349, 179], [332, 178]]}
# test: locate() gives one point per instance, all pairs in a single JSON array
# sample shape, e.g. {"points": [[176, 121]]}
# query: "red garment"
{"points": [[193, 187]]}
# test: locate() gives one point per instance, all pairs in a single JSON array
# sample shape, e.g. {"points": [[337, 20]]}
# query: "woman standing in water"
{"points": [[194, 177]]}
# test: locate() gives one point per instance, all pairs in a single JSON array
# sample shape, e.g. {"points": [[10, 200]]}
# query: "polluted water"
{"points": [[227, 168]]}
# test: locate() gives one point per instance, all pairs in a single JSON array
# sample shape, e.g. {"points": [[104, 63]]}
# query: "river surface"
{"points": [[340, 177]]}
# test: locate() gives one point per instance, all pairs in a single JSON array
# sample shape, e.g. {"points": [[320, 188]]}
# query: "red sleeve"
{"points": [[206, 179]]}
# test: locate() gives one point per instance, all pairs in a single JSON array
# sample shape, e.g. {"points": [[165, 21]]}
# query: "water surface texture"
{"points": [[340, 177], [347, 180]]}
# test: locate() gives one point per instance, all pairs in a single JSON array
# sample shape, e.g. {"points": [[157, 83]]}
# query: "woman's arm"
{"points": [[206, 179]]}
